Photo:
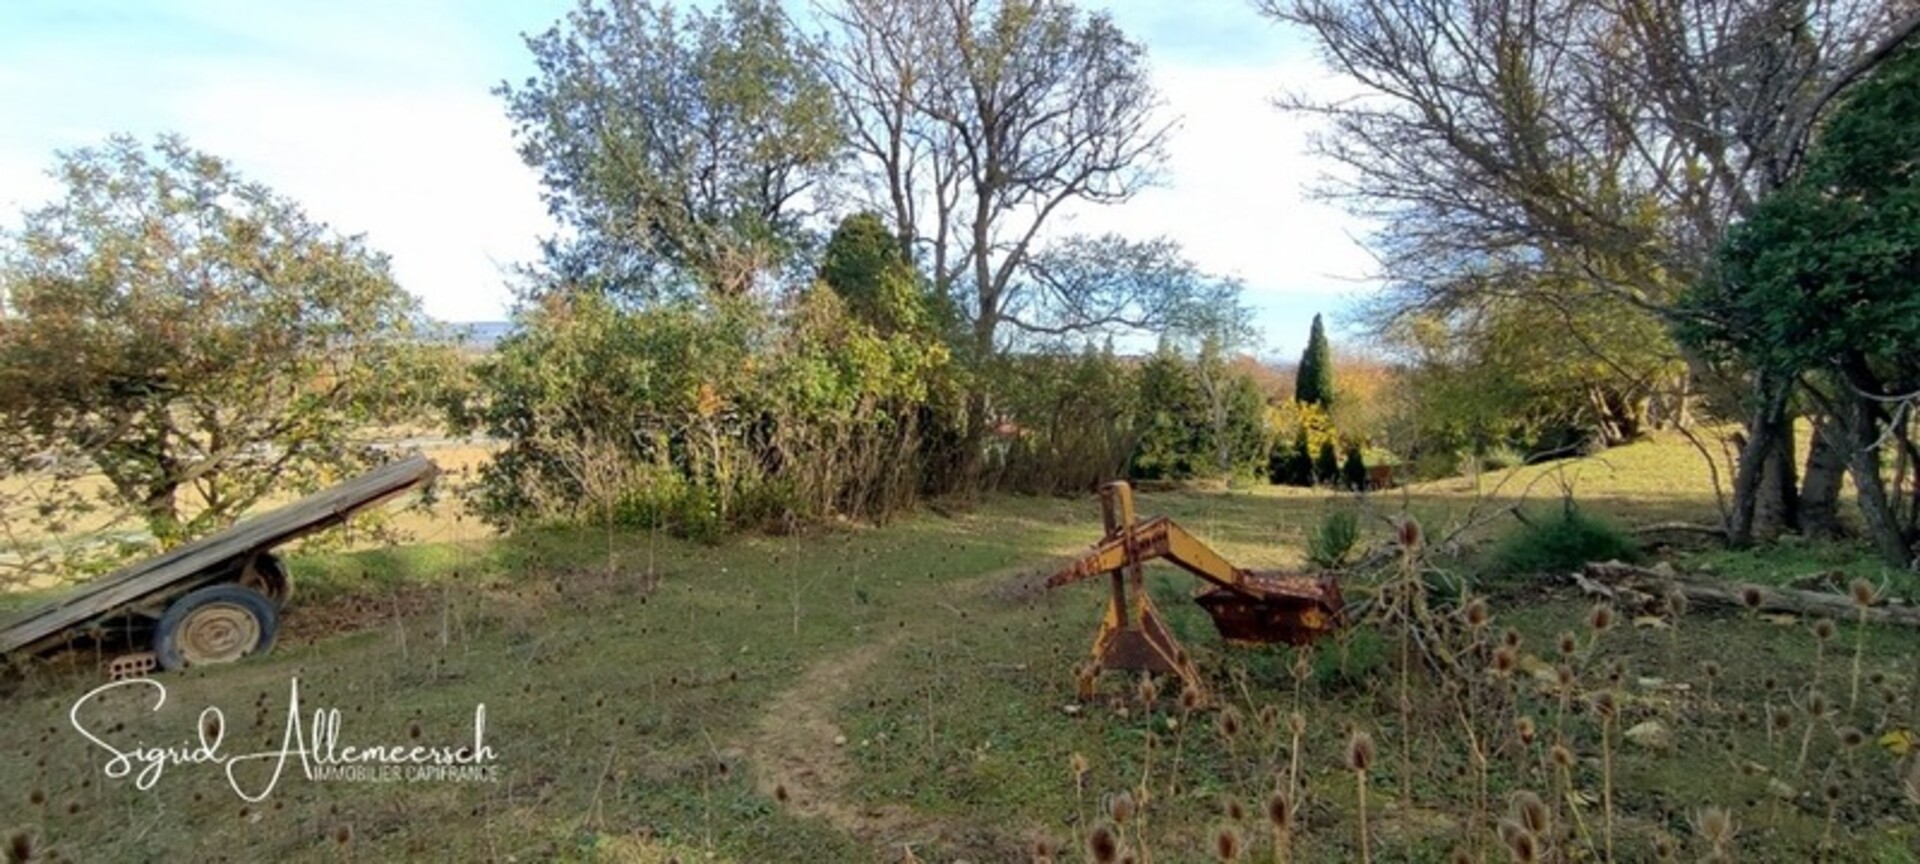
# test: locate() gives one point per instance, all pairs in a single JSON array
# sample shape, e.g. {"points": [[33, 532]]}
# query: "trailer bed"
{"points": [[159, 579]]}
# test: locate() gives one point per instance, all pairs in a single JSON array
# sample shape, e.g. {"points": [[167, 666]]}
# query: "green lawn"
{"points": [[853, 693]]}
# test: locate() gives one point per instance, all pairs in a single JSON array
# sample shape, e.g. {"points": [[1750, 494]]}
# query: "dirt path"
{"points": [[798, 749]]}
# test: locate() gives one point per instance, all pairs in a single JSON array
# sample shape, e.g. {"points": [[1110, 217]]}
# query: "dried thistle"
{"points": [[1530, 811], [1226, 843], [1228, 724], [1233, 810], [1677, 603], [1750, 597], [1568, 644], [1715, 826], [1280, 810], [1823, 629], [1600, 620], [1561, 755], [1864, 593], [1359, 751], [1102, 845], [1504, 661], [1120, 807], [1477, 613], [1524, 727]]}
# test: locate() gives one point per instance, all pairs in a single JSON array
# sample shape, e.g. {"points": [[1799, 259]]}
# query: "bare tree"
{"points": [[980, 120]]}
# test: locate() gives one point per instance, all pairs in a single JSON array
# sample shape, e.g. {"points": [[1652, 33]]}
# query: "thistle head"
{"points": [[1359, 751]]}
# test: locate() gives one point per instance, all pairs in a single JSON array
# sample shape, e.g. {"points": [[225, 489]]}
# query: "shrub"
{"points": [[1353, 473], [1333, 539], [1326, 468], [1563, 542]]}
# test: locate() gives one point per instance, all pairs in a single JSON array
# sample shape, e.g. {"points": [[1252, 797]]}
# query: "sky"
{"points": [[378, 117]]}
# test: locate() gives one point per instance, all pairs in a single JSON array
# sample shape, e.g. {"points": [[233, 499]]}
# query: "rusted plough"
{"points": [[1247, 607]]}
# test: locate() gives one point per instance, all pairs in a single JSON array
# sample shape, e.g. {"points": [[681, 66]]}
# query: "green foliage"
{"points": [[1326, 466], [1300, 459], [865, 265], [1333, 539], [196, 339], [1071, 421], [673, 145], [1353, 472], [1562, 543], [703, 417], [1197, 419], [1824, 268], [1314, 386]]}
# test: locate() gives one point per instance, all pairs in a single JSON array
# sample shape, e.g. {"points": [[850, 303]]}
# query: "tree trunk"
{"points": [[1778, 509], [1640, 588], [1747, 478], [1820, 489], [1864, 460]]}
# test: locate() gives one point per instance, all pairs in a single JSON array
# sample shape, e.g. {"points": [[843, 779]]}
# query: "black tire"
{"points": [[215, 624]]}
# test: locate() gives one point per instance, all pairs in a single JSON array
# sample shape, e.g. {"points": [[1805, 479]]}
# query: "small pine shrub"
{"points": [[1563, 542], [1333, 539]]}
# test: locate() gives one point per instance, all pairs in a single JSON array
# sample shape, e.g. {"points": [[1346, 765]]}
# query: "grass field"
{"points": [[897, 693]]}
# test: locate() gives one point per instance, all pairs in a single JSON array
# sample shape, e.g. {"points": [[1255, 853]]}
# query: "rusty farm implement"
{"points": [[1248, 607]]}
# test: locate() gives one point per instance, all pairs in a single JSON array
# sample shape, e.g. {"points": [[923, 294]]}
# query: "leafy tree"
{"points": [[864, 265], [1595, 143], [1353, 472], [1173, 422], [195, 339], [1818, 285], [676, 150], [1314, 384], [1326, 468]]}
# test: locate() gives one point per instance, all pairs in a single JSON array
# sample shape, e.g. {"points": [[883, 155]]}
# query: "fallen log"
{"points": [[1639, 585]]}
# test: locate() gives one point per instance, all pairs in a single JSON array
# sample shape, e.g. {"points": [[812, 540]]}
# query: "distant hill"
{"points": [[479, 335]]}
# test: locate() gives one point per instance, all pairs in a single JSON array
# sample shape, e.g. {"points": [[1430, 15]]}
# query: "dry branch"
{"points": [[1630, 584]]}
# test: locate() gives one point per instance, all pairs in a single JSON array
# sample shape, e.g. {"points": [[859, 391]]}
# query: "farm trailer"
{"points": [[213, 600]]}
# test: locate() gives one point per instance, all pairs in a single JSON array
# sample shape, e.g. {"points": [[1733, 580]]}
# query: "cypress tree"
{"points": [[1300, 461], [1314, 384], [1327, 468], [1354, 472]]}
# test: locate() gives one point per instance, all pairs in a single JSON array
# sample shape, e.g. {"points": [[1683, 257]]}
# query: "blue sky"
{"points": [[376, 116]]}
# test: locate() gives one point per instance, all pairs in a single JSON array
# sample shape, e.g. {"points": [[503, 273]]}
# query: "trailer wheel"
{"points": [[215, 624], [267, 574]]}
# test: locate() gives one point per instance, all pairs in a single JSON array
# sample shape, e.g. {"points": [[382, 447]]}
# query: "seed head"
{"points": [[1297, 722], [1102, 845], [1360, 751], [1120, 807], [1510, 638], [20, 846], [1562, 756], [1714, 825], [1525, 728], [1233, 810], [1568, 644], [1280, 810], [1077, 764], [1521, 843], [1563, 675], [343, 834], [1189, 699], [1149, 691], [1530, 811], [1504, 661], [1863, 593], [1408, 532], [1226, 843], [1600, 620], [1603, 704], [1823, 629], [1477, 614], [1830, 791], [1782, 719], [1750, 597], [1851, 737], [1269, 716], [780, 793], [1228, 723], [1711, 669]]}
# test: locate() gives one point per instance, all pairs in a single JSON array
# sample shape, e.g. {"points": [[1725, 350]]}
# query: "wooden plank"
{"points": [[195, 563]]}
